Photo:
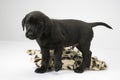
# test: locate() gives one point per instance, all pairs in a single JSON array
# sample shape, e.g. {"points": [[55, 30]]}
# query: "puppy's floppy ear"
{"points": [[24, 22], [47, 24]]}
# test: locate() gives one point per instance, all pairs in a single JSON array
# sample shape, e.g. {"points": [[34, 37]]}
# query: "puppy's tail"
{"points": [[100, 23]]}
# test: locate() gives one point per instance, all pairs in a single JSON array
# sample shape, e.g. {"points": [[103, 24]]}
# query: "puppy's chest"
{"points": [[48, 43]]}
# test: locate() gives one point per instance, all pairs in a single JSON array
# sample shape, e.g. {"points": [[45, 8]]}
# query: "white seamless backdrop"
{"points": [[105, 44]]}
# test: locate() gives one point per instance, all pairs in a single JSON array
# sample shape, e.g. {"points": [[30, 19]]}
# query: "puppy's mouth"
{"points": [[31, 37]]}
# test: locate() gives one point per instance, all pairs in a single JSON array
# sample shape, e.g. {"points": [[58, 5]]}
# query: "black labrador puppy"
{"points": [[57, 34]]}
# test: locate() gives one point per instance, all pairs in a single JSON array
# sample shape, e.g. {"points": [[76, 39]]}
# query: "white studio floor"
{"points": [[15, 65]]}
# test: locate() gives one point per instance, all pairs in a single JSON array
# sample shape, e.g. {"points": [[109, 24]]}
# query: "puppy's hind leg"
{"points": [[86, 53]]}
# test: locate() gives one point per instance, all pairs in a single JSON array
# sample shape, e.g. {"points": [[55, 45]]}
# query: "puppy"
{"points": [[56, 34]]}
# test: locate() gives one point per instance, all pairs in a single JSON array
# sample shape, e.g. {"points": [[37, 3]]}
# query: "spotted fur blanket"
{"points": [[71, 59]]}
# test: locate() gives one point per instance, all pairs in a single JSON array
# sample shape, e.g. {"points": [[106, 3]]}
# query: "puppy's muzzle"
{"points": [[30, 35]]}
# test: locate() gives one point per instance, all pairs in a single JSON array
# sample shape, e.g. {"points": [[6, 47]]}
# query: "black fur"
{"points": [[57, 34]]}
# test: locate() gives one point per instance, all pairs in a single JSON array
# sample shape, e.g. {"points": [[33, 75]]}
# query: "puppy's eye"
{"points": [[27, 25]]}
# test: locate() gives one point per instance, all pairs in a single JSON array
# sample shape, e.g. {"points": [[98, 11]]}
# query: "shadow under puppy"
{"points": [[56, 34]]}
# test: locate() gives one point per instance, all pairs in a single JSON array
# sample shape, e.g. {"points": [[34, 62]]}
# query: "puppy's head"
{"points": [[35, 23]]}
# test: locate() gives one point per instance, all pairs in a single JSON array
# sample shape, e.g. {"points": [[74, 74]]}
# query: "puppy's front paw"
{"points": [[79, 70], [41, 70], [58, 67]]}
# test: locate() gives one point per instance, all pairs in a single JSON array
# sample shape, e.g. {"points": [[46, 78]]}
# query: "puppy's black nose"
{"points": [[30, 34]]}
